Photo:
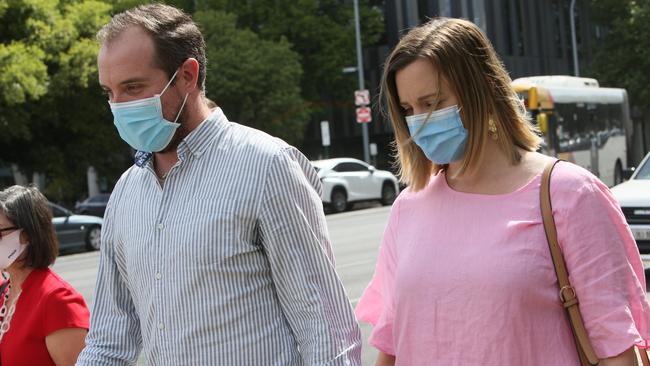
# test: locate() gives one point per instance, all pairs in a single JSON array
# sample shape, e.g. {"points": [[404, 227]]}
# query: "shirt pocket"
{"points": [[221, 231]]}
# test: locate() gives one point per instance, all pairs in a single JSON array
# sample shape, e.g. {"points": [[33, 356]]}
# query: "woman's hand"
{"points": [[627, 358], [65, 345], [385, 359]]}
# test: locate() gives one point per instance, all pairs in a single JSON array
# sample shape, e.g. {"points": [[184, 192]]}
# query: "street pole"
{"points": [[576, 67], [364, 126]]}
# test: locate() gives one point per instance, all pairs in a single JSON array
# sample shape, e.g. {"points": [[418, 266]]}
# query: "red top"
{"points": [[47, 304]]}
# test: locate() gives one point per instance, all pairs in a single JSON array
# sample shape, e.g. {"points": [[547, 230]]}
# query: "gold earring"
{"points": [[492, 127]]}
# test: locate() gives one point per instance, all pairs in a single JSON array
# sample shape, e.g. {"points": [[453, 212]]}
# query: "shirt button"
{"points": [[158, 275], [161, 226], [161, 326]]}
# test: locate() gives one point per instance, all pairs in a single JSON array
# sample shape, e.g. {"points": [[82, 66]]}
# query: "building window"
{"points": [[520, 29], [507, 21], [557, 38], [568, 44]]}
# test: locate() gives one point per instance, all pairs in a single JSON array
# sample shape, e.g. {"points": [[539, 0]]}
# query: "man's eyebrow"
{"points": [[133, 80], [127, 81]]}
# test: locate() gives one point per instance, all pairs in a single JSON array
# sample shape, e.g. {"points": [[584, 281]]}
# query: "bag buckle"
{"points": [[569, 300]]}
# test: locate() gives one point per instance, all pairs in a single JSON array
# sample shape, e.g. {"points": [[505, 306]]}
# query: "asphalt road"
{"points": [[355, 235]]}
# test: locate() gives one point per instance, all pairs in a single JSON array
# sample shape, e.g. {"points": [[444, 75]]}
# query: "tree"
{"points": [[255, 81], [623, 59], [321, 31], [53, 116]]}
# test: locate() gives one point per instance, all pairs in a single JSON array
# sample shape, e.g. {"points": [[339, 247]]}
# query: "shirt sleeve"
{"points": [[376, 304], [295, 238], [114, 338], [602, 260], [64, 308]]}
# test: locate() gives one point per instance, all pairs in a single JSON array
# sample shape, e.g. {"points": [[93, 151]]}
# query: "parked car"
{"points": [[347, 180], [95, 205], [76, 231], [634, 198]]}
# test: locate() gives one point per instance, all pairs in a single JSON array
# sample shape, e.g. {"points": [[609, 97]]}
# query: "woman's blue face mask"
{"points": [[440, 134], [141, 123]]}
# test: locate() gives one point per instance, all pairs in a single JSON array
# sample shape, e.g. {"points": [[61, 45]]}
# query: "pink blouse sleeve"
{"points": [[603, 261], [376, 304]]}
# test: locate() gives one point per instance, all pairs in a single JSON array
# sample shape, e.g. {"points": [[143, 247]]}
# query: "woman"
{"points": [[464, 275], [44, 321]]}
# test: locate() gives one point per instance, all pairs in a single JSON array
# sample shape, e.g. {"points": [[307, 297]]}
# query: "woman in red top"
{"points": [[43, 320]]}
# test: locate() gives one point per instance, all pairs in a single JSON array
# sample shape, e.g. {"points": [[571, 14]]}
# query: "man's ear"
{"points": [[188, 74]]}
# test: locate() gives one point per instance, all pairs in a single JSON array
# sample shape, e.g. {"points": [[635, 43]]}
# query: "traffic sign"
{"points": [[373, 149], [364, 115], [325, 132], [361, 97]]}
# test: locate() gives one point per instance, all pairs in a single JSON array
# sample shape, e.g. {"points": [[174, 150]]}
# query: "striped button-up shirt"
{"points": [[227, 263]]}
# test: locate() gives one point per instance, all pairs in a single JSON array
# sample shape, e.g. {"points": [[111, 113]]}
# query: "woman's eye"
{"points": [[433, 104]]}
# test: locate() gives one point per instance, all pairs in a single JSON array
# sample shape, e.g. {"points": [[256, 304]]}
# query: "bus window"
{"points": [[583, 123]]}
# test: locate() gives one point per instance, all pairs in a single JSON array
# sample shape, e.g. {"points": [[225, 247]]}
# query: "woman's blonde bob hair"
{"points": [[465, 58]]}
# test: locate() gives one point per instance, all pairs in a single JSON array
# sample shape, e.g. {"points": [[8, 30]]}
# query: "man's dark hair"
{"points": [[175, 35], [27, 209]]}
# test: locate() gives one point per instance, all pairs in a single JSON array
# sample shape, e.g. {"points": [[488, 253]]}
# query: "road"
{"points": [[355, 235]]}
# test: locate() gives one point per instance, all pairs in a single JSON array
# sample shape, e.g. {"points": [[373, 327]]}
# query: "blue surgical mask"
{"points": [[440, 134], [141, 123]]}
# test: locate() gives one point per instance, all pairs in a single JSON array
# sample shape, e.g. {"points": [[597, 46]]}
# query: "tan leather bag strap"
{"points": [[567, 293]]}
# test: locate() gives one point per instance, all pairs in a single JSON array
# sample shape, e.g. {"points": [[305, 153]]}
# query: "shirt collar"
{"points": [[195, 143], [200, 139]]}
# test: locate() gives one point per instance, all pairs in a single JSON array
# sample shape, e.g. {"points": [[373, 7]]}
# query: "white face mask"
{"points": [[10, 249]]}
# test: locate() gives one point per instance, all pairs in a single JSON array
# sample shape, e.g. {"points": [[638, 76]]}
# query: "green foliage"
{"points": [[255, 81], [321, 31], [623, 59], [53, 117], [23, 73]]}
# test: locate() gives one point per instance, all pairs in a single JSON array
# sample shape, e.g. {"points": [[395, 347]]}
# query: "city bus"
{"points": [[580, 122]]}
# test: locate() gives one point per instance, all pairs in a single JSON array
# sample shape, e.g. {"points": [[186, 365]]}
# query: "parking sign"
{"points": [[361, 97]]}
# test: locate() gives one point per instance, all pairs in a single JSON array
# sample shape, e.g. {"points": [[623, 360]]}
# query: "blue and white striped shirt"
{"points": [[228, 263]]}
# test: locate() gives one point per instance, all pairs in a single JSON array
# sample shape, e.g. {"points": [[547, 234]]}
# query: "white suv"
{"points": [[634, 198], [347, 180]]}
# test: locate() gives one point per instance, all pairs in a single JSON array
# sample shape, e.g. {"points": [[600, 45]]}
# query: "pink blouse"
{"points": [[467, 279]]}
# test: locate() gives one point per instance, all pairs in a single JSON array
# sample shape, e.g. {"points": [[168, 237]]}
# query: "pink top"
{"points": [[467, 279]]}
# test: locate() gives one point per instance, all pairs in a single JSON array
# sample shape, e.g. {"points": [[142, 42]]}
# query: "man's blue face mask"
{"points": [[441, 136], [141, 123]]}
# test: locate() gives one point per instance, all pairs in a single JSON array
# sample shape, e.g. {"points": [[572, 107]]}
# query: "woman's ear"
{"points": [[24, 238]]}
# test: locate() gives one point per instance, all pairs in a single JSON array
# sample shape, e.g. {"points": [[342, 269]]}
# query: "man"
{"points": [[214, 248]]}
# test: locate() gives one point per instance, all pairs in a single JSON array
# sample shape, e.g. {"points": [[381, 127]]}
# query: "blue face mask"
{"points": [[141, 123], [441, 136]]}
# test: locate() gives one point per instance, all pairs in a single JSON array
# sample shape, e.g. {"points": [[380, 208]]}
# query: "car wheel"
{"points": [[93, 237], [339, 201], [388, 194], [618, 173]]}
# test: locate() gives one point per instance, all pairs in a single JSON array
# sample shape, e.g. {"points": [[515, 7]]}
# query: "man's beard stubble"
{"points": [[179, 135]]}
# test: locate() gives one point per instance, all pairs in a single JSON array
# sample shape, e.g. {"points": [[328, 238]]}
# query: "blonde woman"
{"points": [[464, 275]]}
